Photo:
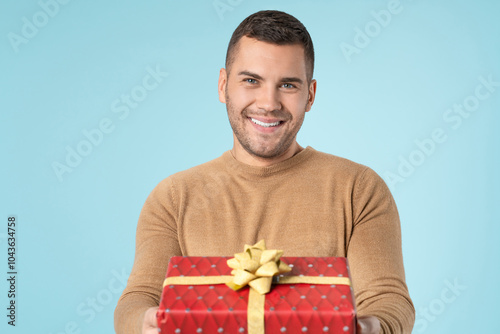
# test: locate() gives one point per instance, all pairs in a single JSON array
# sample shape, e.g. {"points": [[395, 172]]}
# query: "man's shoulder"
{"points": [[334, 163], [345, 171], [198, 172]]}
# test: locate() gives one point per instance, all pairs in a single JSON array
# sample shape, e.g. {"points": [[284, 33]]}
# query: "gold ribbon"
{"points": [[223, 279], [252, 268]]}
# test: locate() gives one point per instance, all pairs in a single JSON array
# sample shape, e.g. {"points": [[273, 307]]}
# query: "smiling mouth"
{"points": [[264, 124]]}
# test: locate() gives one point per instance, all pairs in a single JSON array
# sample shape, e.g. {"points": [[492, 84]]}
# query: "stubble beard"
{"points": [[238, 119]]}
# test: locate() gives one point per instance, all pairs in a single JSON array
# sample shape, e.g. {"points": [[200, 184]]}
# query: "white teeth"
{"points": [[266, 125]]}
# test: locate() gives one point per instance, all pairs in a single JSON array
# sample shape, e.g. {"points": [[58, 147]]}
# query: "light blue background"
{"points": [[76, 235]]}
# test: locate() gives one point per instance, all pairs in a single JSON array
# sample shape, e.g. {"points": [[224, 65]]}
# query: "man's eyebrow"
{"points": [[286, 79], [250, 74], [292, 79]]}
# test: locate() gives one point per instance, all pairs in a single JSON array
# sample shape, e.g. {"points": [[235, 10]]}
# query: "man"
{"points": [[302, 201]]}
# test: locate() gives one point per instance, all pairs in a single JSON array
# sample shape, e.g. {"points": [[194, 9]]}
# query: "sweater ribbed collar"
{"points": [[242, 168]]}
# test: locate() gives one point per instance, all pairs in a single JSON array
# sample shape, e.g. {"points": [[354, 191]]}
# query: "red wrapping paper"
{"points": [[289, 308]]}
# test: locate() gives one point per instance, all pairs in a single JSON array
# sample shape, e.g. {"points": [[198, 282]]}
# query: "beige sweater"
{"points": [[313, 204]]}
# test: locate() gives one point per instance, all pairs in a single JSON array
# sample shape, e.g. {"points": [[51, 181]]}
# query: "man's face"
{"points": [[267, 95]]}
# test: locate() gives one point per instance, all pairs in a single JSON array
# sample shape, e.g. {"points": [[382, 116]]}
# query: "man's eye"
{"points": [[288, 85], [251, 81]]}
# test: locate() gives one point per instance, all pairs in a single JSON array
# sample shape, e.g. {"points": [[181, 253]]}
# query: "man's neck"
{"points": [[240, 154]]}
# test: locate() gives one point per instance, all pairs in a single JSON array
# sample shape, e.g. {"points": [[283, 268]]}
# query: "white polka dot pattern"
{"points": [[297, 308]]}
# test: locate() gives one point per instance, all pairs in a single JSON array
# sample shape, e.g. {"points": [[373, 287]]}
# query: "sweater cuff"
{"points": [[394, 319], [129, 315]]}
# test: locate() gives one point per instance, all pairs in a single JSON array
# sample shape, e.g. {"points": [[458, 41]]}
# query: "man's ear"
{"points": [[312, 94], [222, 85]]}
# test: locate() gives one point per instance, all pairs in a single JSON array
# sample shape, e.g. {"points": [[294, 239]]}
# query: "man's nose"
{"points": [[268, 99]]}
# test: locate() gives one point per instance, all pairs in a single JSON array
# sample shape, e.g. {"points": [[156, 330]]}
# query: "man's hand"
{"points": [[149, 324], [368, 325]]}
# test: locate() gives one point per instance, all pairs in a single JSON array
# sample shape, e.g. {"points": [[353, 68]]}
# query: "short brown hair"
{"points": [[274, 27]]}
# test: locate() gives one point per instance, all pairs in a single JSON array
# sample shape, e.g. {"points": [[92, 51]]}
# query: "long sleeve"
{"points": [[312, 204], [375, 256], [156, 242]]}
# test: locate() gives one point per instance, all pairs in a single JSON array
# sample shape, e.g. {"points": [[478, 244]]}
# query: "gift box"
{"points": [[196, 300]]}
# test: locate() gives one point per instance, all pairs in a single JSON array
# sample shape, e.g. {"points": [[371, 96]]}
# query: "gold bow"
{"points": [[256, 267]]}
